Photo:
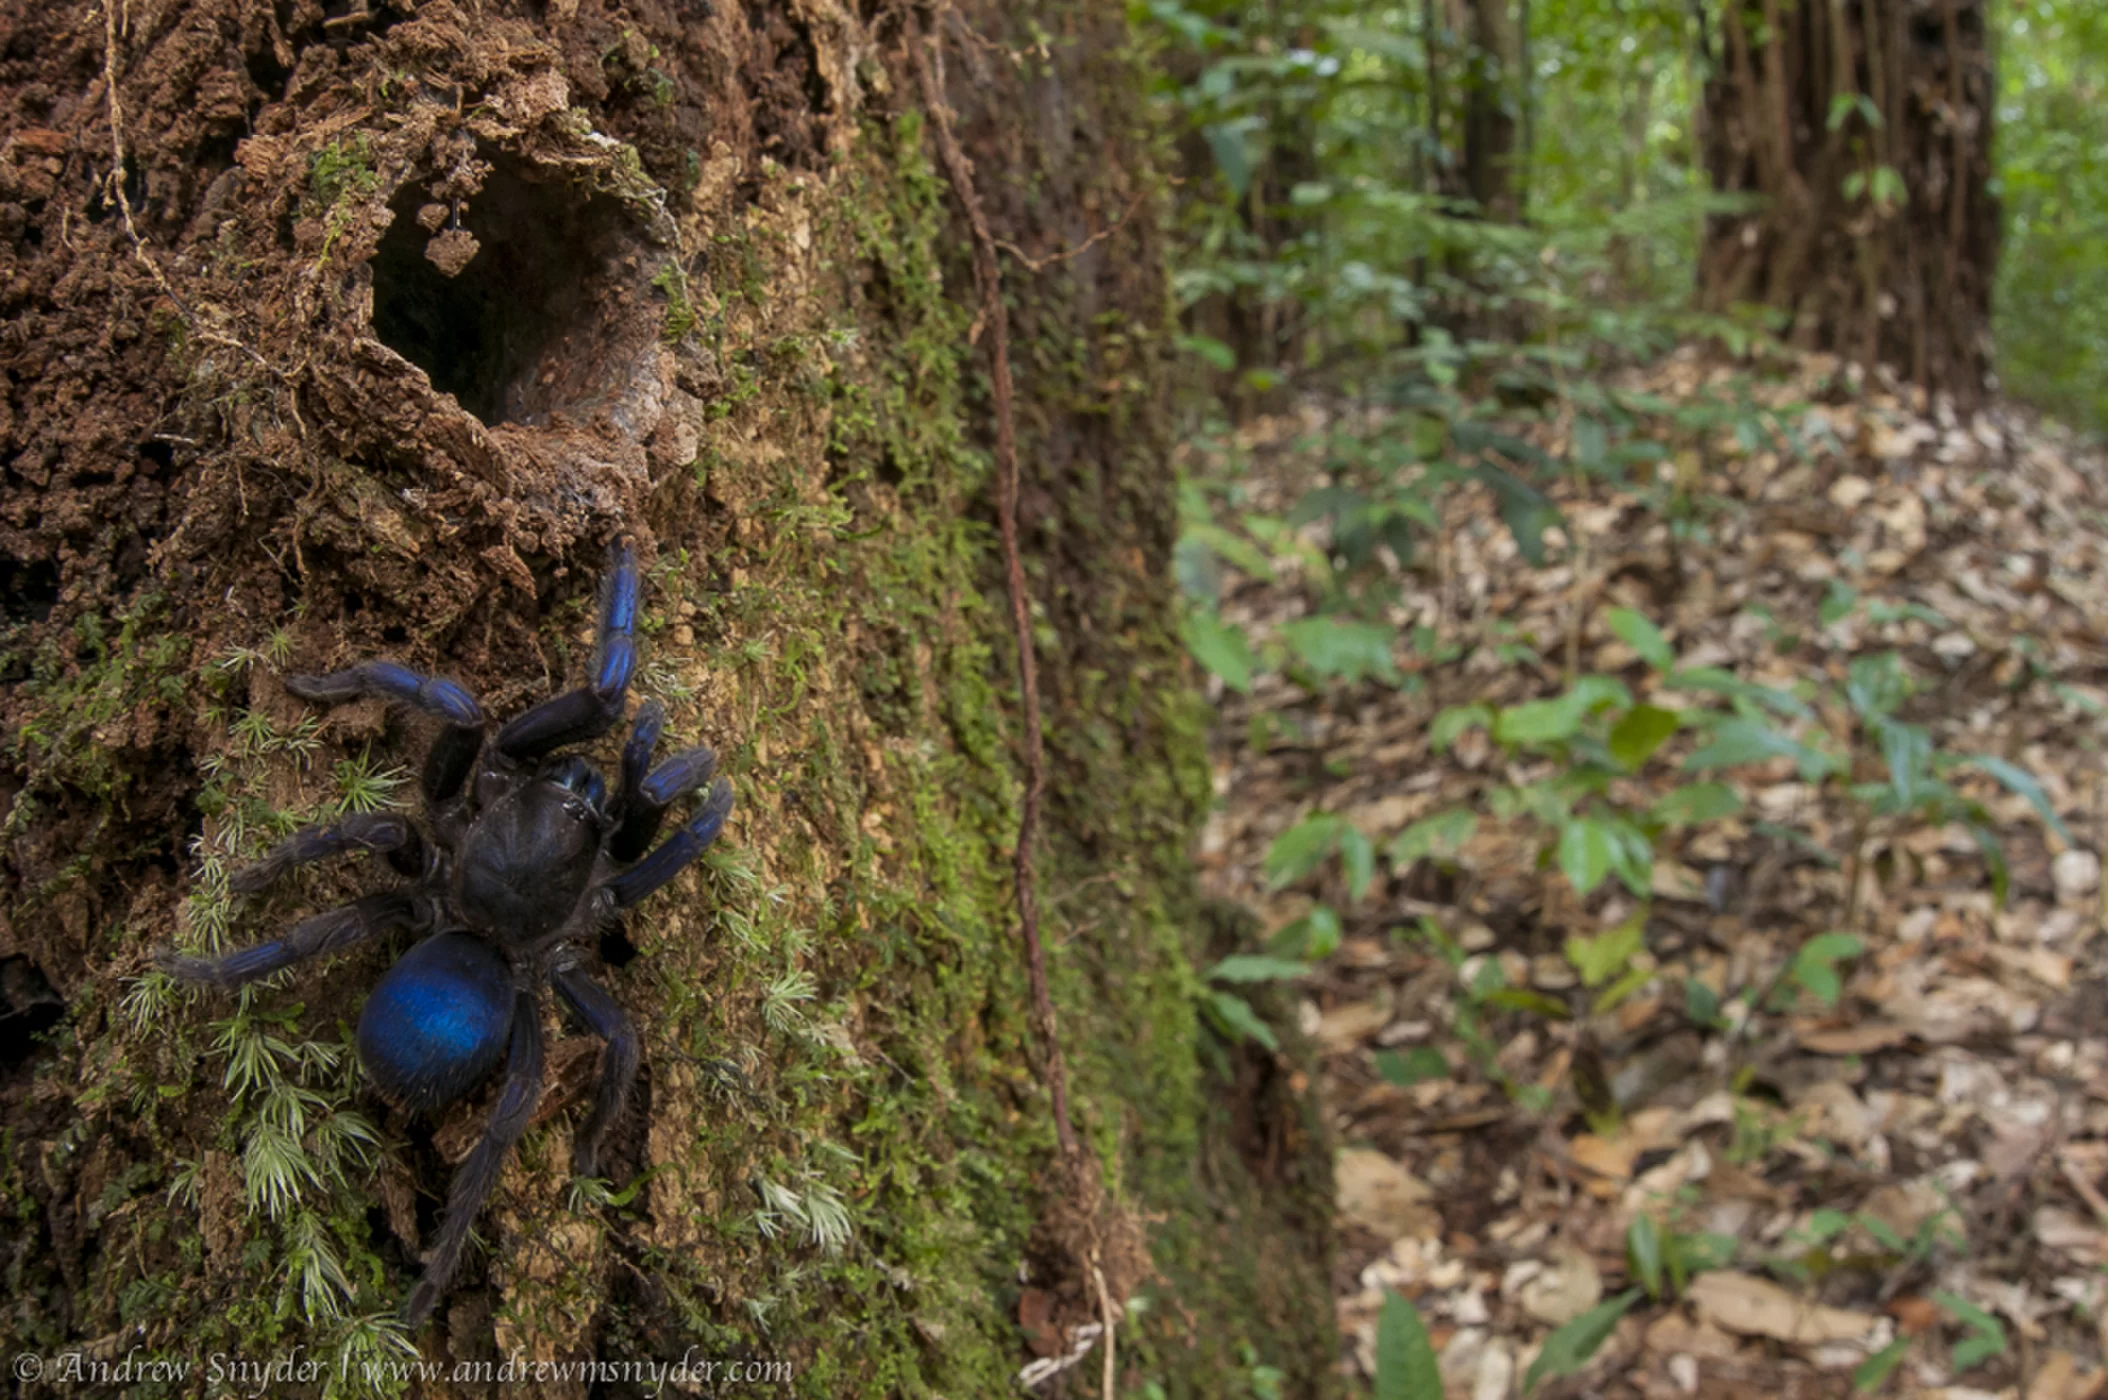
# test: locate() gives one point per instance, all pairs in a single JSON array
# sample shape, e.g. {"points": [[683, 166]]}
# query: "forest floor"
{"points": [[1546, 1105]]}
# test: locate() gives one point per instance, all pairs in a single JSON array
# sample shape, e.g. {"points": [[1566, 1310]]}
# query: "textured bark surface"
{"points": [[336, 331], [1866, 125]]}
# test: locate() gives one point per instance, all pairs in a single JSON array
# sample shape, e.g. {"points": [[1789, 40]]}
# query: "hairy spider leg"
{"points": [[636, 755], [671, 781], [618, 1067], [478, 1175], [327, 932], [593, 709], [453, 754], [676, 853], [387, 833]]}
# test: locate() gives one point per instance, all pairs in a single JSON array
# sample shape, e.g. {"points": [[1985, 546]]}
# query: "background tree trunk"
{"points": [[1866, 125], [1492, 98], [340, 334]]}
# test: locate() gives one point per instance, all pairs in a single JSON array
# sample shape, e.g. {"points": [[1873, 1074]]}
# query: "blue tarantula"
{"points": [[523, 861]]}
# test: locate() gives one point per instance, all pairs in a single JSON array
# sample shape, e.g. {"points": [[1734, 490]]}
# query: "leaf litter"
{"points": [[1843, 1128]]}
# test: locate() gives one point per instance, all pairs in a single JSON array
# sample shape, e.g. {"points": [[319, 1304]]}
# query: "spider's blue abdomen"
{"points": [[438, 1023]]}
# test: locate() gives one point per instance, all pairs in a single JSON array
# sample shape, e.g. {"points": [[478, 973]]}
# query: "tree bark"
{"points": [[1490, 104], [334, 332], [1866, 127]]}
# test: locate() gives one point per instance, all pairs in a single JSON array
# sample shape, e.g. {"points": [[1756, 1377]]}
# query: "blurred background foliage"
{"points": [[2052, 305], [1335, 225]]}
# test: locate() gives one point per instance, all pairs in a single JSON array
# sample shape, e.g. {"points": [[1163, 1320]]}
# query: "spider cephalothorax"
{"points": [[528, 852]]}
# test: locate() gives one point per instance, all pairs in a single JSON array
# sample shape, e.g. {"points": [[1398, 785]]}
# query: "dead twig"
{"points": [[1041, 264]]}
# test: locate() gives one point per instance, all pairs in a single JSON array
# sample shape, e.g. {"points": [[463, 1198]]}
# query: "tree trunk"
{"points": [[352, 332], [1866, 126], [1491, 100]]}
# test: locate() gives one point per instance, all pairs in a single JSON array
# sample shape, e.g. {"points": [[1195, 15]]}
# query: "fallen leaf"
{"points": [[1345, 1026], [2061, 1379], [1754, 1307], [1568, 1286], [1862, 1039], [1378, 1194]]}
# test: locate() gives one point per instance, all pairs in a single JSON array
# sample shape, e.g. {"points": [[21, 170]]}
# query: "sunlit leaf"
{"points": [[1235, 1014], [1334, 648], [1406, 1368], [1643, 1245], [1222, 648], [1872, 1374], [1255, 967], [1584, 853], [1695, 804], [1358, 859], [1302, 848], [1454, 721], [1639, 732], [1638, 631], [1572, 1345], [1602, 957], [2022, 783], [1442, 834]]}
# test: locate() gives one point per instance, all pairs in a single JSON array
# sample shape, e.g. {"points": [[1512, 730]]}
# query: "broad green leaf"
{"points": [[1216, 354], [1694, 804], [1907, 747], [1237, 1016], [1815, 965], [1358, 857], [1334, 648], [1539, 722], [1315, 936], [1584, 853], [1639, 732], [1987, 1335], [1602, 957], [1593, 693], [1643, 1245], [1702, 1004], [1827, 1225], [1839, 601], [1415, 1066], [2022, 783], [1454, 721], [1232, 155], [1622, 990], [1233, 548], [1572, 1345], [1739, 741], [1873, 1373], [1302, 848], [1256, 967], [1442, 834], [1406, 1368], [1523, 999], [1527, 511], [1714, 681], [1591, 444], [1875, 685], [1552, 721], [1638, 631], [1222, 648]]}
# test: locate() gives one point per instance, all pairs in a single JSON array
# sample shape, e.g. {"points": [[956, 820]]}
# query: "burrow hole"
{"points": [[523, 329]]}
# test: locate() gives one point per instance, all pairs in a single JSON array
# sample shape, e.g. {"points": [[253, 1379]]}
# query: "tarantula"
{"points": [[530, 856]]}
